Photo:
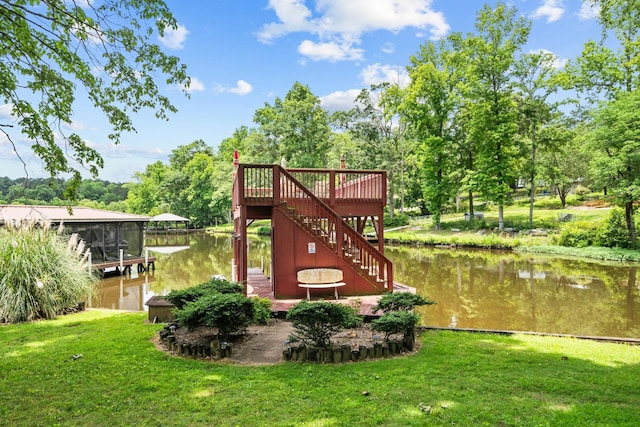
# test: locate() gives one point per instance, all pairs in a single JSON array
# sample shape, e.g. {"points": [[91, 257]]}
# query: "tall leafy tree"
{"points": [[296, 128], [534, 84], [374, 124], [183, 154], [616, 137], [198, 195], [605, 68], [492, 126], [565, 162], [607, 71], [50, 50], [429, 107], [145, 194]]}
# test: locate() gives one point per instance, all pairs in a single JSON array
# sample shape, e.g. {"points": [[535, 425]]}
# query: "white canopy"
{"points": [[168, 217]]}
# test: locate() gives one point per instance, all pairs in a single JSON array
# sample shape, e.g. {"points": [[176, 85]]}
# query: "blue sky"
{"points": [[242, 54]]}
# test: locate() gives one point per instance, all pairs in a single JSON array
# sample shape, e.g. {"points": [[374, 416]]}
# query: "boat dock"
{"points": [[123, 266]]}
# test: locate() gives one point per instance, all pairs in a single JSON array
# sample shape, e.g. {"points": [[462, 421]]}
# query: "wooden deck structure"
{"points": [[318, 217], [124, 267]]}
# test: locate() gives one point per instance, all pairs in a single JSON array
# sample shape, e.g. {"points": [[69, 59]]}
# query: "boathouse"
{"points": [[116, 239], [318, 218]]}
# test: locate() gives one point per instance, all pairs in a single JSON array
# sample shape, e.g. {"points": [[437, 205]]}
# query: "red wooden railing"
{"points": [[255, 183], [330, 185]]}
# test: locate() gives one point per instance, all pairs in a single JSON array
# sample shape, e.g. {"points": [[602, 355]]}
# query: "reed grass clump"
{"points": [[43, 272]]}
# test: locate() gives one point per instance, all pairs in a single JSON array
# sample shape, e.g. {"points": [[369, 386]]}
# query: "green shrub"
{"points": [[398, 220], [613, 232], [264, 230], [261, 310], [581, 192], [397, 301], [578, 234], [215, 285], [42, 273], [315, 323], [229, 313], [396, 322]]}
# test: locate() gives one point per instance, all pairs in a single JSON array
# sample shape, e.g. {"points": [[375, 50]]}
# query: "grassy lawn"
{"points": [[456, 378]]}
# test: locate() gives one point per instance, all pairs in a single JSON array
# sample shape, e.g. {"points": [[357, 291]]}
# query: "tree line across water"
{"points": [[50, 191]]}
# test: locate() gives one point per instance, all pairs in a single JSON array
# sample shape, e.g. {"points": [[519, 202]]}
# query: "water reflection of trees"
{"points": [[207, 256], [475, 289], [498, 290]]}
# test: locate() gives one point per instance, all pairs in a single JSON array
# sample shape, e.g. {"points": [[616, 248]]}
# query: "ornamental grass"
{"points": [[43, 272]]}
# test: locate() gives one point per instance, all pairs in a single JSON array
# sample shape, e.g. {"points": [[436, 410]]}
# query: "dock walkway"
{"points": [[144, 264]]}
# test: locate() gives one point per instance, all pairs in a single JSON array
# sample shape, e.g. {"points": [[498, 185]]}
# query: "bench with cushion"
{"points": [[320, 278]]}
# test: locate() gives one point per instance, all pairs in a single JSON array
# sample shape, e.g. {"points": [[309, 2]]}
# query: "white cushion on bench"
{"points": [[320, 275]]}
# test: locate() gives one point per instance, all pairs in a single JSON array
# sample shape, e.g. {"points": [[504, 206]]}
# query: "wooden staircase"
{"points": [[331, 230], [312, 207]]}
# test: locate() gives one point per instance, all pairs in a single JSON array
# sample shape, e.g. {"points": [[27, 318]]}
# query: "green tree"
{"points": [[50, 50], [616, 139], [429, 106], [183, 154], [565, 162], [607, 70], [296, 128], [145, 195], [198, 195], [534, 77], [492, 126], [375, 126], [604, 68]]}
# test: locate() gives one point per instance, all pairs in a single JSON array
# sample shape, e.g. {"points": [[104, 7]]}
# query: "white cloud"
{"points": [[370, 75], [387, 47], [553, 60], [122, 151], [588, 11], [76, 126], [6, 111], [195, 86], [378, 73], [241, 88], [340, 100], [339, 24], [329, 51], [174, 38], [551, 9]]}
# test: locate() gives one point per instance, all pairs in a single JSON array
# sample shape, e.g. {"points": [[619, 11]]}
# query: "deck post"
{"points": [[121, 261], [332, 188], [276, 185], [381, 213]]}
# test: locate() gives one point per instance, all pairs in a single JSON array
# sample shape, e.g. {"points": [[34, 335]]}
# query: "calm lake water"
{"points": [[472, 289]]}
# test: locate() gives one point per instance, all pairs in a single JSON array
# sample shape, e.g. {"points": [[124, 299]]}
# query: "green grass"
{"points": [[466, 379]]}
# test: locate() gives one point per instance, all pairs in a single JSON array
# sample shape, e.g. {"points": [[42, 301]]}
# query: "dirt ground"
{"points": [[264, 344]]}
